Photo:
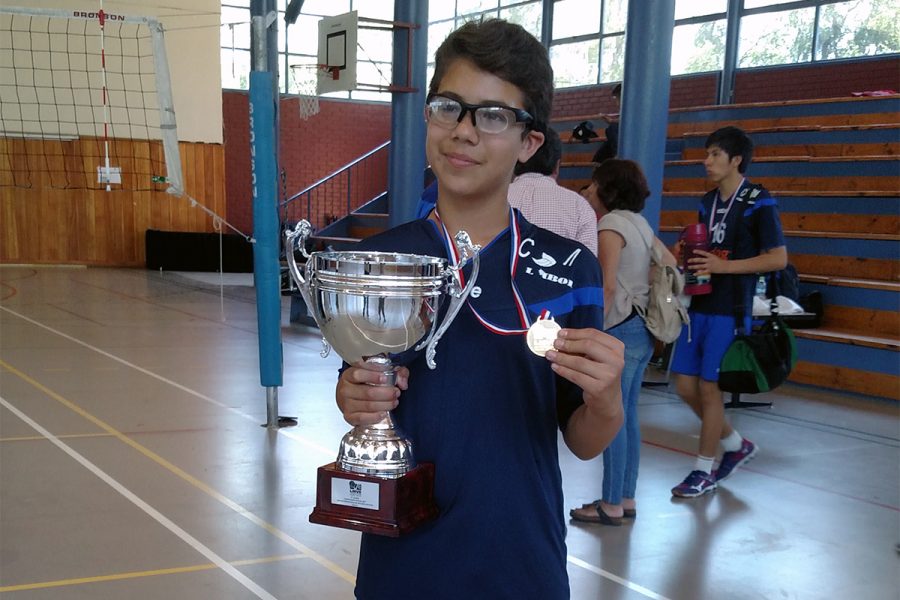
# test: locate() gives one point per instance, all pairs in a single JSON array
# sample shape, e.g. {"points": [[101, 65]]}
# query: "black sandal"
{"points": [[602, 517]]}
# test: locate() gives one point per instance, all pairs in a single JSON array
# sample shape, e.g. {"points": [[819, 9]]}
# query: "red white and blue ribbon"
{"points": [[516, 235]]}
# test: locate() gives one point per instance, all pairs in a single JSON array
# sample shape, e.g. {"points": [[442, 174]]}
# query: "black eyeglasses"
{"points": [[448, 113]]}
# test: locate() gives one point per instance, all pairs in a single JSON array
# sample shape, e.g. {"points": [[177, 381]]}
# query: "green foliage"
{"points": [[845, 30], [709, 45]]}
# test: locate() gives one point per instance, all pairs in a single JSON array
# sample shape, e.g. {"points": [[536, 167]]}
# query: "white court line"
{"points": [[623, 582], [152, 512], [237, 508], [329, 452], [325, 451]]}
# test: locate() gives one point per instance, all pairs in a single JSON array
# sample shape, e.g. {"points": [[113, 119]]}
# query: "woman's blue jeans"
{"points": [[621, 458]]}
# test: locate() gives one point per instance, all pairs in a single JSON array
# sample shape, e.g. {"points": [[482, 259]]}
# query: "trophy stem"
{"points": [[386, 424]]}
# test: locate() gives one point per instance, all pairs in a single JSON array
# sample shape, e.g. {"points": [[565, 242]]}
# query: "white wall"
{"points": [[192, 44]]}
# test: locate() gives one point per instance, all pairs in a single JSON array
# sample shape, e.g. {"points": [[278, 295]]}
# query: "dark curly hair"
{"points": [[621, 185], [507, 51]]}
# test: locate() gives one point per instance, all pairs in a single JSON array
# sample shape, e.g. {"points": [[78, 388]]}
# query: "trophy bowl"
{"points": [[370, 306]]}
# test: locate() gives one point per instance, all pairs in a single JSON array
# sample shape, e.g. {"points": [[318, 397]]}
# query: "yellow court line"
{"points": [[137, 574], [40, 438], [328, 564]]}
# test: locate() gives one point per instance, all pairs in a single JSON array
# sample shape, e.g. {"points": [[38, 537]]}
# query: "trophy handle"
{"points": [[297, 236], [467, 250]]}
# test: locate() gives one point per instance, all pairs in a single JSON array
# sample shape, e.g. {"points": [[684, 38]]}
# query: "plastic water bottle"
{"points": [[761, 286], [694, 238]]}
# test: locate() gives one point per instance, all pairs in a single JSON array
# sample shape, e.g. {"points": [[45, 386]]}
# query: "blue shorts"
{"points": [[710, 337]]}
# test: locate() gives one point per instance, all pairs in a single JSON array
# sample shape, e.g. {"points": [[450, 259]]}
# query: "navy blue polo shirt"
{"points": [[488, 418]]}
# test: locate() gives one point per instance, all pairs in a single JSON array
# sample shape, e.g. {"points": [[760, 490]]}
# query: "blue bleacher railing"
{"points": [[340, 193]]}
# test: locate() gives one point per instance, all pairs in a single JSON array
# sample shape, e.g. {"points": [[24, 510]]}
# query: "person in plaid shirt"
{"points": [[547, 204]]}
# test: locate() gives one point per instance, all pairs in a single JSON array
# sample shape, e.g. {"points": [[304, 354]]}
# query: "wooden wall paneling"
{"points": [[31, 226], [199, 219], [181, 211], [71, 208], [102, 226], [843, 223], [879, 323], [142, 202], [824, 223], [847, 266], [841, 378], [811, 184], [9, 226], [816, 150], [215, 179], [697, 127]]}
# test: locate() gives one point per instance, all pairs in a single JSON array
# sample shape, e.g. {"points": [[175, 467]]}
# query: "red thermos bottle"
{"points": [[694, 238]]}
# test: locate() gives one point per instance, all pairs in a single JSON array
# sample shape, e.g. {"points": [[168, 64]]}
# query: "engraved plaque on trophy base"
{"points": [[389, 507]]}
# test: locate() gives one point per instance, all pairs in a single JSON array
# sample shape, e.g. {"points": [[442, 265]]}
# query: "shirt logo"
{"points": [[555, 278], [545, 260], [571, 260]]}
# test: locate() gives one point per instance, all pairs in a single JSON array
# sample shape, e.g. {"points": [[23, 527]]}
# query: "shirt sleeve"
{"points": [[768, 225]]}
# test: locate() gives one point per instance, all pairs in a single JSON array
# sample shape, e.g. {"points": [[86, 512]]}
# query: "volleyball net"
{"points": [[85, 102]]}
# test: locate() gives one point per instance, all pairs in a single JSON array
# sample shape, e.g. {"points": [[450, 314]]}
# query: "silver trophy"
{"points": [[370, 305]]}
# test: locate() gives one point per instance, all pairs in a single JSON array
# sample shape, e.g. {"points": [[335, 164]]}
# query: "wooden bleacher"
{"points": [[834, 167]]}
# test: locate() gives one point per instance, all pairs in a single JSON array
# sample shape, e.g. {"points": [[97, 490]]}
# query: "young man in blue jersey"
{"points": [[744, 239], [488, 416]]}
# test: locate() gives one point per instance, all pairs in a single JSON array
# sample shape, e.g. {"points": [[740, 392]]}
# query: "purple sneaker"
{"points": [[695, 484], [732, 460]]}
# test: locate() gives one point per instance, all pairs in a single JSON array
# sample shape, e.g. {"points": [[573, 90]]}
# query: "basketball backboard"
{"points": [[337, 48]]}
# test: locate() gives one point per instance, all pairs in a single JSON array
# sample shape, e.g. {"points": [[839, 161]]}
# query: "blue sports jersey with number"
{"points": [[488, 418], [744, 228]]}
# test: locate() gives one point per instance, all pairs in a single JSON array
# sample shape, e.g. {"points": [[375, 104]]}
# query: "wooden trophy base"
{"points": [[390, 507]]}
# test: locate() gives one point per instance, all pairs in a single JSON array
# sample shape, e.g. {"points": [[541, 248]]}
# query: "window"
{"points": [[775, 38], [760, 3], [587, 43], [575, 17], [698, 47], [444, 18], [686, 9], [612, 59], [529, 16], [575, 63], [615, 13], [298, 45], [858, 28]]}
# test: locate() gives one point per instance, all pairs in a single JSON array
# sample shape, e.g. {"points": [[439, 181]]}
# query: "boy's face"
{"points": [[468, 162], [719, 166]]}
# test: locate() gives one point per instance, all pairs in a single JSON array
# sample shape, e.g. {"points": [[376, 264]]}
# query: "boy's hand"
{"points": [[593, 361], [363, 395], [707, 262]]}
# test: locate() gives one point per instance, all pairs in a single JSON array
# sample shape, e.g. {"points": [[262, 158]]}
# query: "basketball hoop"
{"points": [[307, 78]]}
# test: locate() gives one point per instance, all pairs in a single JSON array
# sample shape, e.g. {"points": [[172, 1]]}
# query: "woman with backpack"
{"points": [[617, 193]]}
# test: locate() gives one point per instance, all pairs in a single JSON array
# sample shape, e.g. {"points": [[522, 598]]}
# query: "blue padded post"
{"points": [[266, 266], [645, 93], [406, 162]]}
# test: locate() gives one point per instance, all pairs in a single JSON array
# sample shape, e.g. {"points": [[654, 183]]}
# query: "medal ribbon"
{"points": [[515, 235], [718, 198]]}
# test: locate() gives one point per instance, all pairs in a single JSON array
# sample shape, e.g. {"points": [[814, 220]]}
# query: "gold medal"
{"points": [[541, 336]]}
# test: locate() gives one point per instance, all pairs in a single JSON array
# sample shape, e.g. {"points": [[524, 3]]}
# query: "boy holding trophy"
{"points": [[523, 358]]}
